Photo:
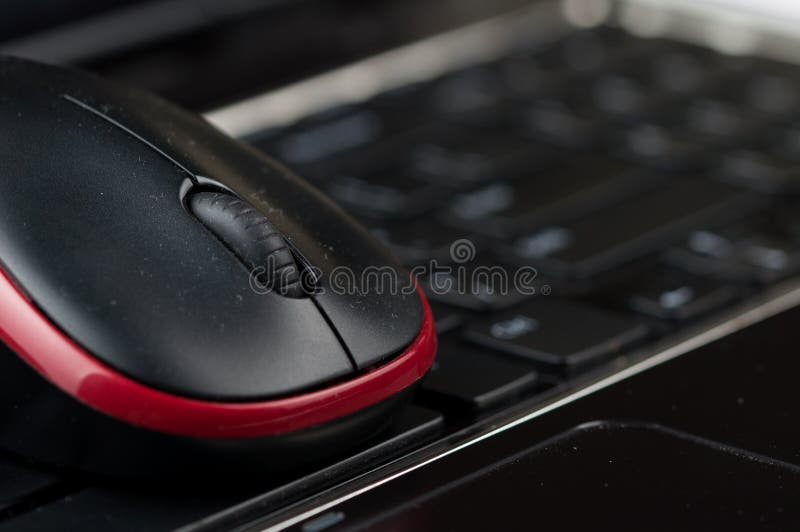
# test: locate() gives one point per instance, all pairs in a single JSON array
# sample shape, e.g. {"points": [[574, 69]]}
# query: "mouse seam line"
{"points": [[336, 332], [118, 125]]}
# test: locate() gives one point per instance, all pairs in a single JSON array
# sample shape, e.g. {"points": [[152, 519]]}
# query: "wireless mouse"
{"points": [[172, 299]]}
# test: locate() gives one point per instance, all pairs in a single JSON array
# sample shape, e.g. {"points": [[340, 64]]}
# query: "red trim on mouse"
{"points": [[64, 363]]}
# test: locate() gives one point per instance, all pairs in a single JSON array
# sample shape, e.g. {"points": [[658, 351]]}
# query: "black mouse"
{"points": [[172, 299]]}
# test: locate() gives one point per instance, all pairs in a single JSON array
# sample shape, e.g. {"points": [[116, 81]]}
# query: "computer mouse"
{"points": [[173, 300]]}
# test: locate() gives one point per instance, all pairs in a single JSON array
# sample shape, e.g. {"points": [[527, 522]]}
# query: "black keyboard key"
{"points": [[673, 71], [558, 333], [677, 72], [640, 224], [446, 318], [673, 294], [759, 170], [715, 122], [495, 108], [455, 156], [774, 94], [589, 52], [556, 122], [18, 482], [773, 91], [784, 143], [420, 239], [481, 207], [467, 92], [389, 194], [347, 140], [763, 250], [479, 285], [608, 99], [621, 97], [401, 107], [523, 78], [473, 379], [504, 208], [654, 145], [321, 138]]}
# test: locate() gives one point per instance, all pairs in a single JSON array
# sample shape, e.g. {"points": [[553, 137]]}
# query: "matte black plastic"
{"points": [[95, 231], [708, 440]]}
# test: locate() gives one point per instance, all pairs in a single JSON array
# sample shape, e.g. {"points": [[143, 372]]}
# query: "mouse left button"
{"points": [[118, 265]]}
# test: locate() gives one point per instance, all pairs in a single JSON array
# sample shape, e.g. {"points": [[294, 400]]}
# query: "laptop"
{"points": [[600, 200]]}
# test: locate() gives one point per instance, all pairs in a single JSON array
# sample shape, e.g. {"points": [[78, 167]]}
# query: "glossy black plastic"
{"points": [[704, 441]]}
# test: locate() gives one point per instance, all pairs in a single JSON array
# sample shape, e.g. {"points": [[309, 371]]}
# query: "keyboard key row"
{"points": [[640, 224], [504, 208], [763, 249]]}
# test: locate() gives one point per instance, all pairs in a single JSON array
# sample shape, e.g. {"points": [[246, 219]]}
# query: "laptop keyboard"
{"points": [[638, 178], [634, 175]]}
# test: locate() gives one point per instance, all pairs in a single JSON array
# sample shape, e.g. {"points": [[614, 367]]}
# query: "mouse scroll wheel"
{"points": [[252, 238]]}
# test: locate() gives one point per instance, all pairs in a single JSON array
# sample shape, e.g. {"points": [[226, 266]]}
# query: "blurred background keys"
{"points": [[455, 156], [416, 241], [333, 133], [764, 249], [672, 294], [504, 208], [759, 170], [654, 145], [389, 193], [555, 121], [630, 229], [715, 122]]}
